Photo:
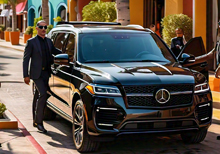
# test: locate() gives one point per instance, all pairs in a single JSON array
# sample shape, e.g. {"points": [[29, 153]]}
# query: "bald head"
{"points": [[179, 32]]}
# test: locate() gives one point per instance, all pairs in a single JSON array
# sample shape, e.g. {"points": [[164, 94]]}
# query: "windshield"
{"points": [[122, 47]]}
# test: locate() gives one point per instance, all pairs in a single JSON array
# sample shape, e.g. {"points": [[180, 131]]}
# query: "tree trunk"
{"points": [[45, 11], [14, 18], [123, 11]]}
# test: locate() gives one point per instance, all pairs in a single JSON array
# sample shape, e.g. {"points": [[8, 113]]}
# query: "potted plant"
{"points": [[14, 34], [2, 29], [8, 30], [2, 110], [28, 33], [14, 37], [7, 120]]}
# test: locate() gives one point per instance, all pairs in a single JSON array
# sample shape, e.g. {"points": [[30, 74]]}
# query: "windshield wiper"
{"points": [[125, 69]]}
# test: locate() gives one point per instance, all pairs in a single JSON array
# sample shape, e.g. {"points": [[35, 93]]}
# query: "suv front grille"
{"points": [[152, 89], [134, 98], [150, 101]]}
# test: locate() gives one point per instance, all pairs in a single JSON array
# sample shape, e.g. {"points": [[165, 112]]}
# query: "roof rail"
{"points": [[87, 23], [66, 25], [149, 30], [135, 26]]}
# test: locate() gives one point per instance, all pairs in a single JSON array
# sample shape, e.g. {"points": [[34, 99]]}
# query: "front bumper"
{"points": [[110, 116]]}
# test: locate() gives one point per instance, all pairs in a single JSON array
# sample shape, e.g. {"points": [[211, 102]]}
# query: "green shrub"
{"points": [[57, 19], [171, 22], [29, 30], [9, 29], [100, 11], [2, 109], [2, 27], [35, 24], [49, 28]]}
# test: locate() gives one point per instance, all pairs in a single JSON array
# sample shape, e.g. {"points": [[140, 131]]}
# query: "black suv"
{"points": [[113, 80]]}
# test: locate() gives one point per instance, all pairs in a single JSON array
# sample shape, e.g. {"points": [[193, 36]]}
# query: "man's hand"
{"points": [[27, 80], [178, 46], [217, 72]]}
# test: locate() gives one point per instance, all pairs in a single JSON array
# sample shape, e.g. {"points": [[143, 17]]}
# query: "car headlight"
{"points": [[201, 88], [103, 90]]}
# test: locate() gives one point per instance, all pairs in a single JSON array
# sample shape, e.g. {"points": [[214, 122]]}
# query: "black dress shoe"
{"points": [[41, 128], [218, 137], [34, 124]]}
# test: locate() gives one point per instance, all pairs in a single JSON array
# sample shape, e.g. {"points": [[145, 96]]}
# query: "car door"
{"points": [[196, 47], [61, 78]]}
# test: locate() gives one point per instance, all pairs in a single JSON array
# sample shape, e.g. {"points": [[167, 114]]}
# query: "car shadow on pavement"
{"points": [[8, 57], [216, 105], [62, 139], [8, 140], [2, 66], [65, 127], [215, 121], [139, 143]]}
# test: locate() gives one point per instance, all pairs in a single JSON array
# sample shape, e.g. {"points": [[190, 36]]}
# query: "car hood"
{"points": [[138, 73]]}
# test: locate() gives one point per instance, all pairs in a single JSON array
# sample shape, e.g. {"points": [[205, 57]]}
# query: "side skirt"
{"points": [[59, 112]]}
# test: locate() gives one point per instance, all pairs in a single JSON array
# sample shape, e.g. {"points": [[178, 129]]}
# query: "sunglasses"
{"points": [[41, 27]]}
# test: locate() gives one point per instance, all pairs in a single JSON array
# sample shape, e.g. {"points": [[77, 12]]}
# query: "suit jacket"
{"points": [[176, 41], [33, 51]]}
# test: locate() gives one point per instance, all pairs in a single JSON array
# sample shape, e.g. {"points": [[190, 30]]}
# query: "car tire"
{"points": [[81, 137], [194, 137]]}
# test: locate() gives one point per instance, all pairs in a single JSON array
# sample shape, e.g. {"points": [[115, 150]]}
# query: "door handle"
{"points": [[204, 65]]}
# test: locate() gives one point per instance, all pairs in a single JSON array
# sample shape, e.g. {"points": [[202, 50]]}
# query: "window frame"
{"points": [[66, 41]]}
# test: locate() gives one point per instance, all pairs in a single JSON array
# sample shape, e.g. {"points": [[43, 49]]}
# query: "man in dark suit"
{"points": [[40, 50], [178, 42]]}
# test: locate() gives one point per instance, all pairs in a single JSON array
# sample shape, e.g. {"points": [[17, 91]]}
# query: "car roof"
{"points": [[96, 27]]}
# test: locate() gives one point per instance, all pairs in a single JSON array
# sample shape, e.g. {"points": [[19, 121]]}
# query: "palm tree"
{"points": [[45, 11], [13, 4], [123, 11]]}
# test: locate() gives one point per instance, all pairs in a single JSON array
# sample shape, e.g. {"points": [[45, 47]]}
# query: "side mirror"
{"points": [[61, 59], [187, 58]]}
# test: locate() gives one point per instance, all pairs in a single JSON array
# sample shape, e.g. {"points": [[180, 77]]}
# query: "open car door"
{"points": [[196, 47]]}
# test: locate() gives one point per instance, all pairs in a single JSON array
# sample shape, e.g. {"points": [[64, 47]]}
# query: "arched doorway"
{"points": [[62, 12], [40, 11], [31, 16]]}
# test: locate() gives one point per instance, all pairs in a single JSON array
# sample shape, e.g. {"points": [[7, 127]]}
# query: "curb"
{"points": [[29, 137]]}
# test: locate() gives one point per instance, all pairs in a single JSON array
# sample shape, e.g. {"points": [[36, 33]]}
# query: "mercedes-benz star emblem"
{"points": [[162, 96]]}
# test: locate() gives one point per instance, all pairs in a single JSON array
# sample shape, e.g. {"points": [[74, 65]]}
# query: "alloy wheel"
{"points": [[78, 124]]}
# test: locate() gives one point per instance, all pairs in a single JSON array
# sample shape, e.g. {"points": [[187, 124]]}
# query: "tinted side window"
{"points": [[59, 40], [70, 46], [53, 36]]}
